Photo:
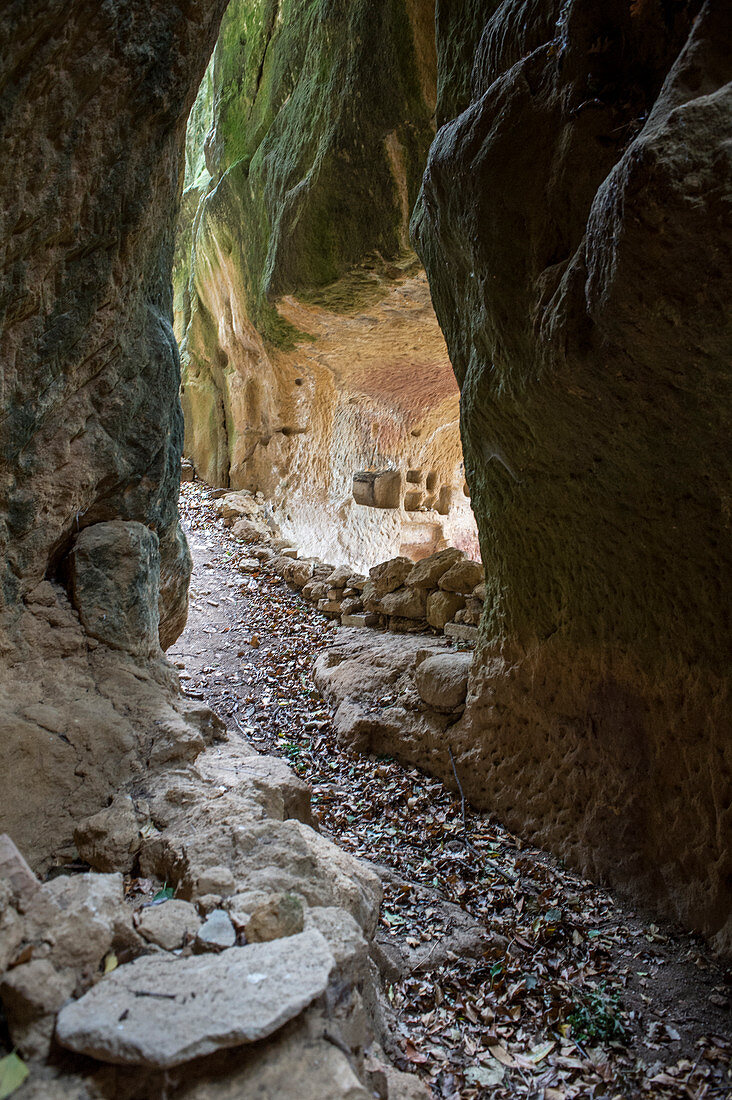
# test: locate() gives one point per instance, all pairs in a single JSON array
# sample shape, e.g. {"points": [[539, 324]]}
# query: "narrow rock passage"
{"points": [[504, 973]]}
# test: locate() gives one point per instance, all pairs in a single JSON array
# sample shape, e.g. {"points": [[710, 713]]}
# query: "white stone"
{"points": [[217, 932]]}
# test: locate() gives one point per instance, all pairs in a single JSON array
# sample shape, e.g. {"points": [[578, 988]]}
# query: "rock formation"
{"points": [[574, 223], [571, 221], [309, 345], [92, 114], [96, 742]]}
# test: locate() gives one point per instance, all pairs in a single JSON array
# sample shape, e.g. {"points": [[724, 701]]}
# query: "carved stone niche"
{"points": [[447, 500], [378, 488], [413, 500]]}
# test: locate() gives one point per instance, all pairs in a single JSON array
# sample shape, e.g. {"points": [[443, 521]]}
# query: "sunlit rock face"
{"points": [[92, 118], [309, 344], [572, 224]]}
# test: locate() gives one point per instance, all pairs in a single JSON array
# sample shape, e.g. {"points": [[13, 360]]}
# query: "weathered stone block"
{"points": [[378, 489], [461, 632], [242, 995], [442, 679], [442, 607], [388, 575], [427, 573], [463, 576], [115, 583], [169, 925], [406, 603]]}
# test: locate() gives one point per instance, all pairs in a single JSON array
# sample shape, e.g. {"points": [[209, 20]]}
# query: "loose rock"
{"points": [[462, 577], [442, 680], [170, 925], [216, 933], [281, 916]]}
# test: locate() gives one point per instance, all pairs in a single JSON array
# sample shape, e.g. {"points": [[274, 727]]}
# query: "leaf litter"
{"points": [[568, 993]]}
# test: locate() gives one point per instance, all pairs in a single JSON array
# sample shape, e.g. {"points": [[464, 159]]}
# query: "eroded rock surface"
{"points": [[310, 349], [94, 106], [574, 225]]}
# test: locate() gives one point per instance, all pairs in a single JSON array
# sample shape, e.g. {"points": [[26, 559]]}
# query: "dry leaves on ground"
{"points": [[565, 999]]}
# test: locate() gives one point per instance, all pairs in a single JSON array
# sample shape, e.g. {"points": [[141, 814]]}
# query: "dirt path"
{"points": [[506, 974]]}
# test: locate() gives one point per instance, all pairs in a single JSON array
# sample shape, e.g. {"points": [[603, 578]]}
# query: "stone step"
{"points": [[461, 632], [367, 619]]}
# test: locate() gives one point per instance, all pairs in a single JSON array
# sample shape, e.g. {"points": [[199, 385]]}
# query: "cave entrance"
{"points": [[314, 371]]}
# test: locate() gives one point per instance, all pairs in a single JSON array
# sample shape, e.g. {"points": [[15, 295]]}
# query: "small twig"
{"points": [[584, 1053], [158, 996], [509, 877], [238, 726], [334, 1039], [462, 795], [418, 965]]}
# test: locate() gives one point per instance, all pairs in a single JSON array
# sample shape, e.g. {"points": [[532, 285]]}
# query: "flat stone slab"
{"points": [[462, 631], [161, 1012]]}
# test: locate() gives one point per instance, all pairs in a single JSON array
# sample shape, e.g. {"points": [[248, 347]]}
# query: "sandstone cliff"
{"points": [[310, 348], [574, 223]]}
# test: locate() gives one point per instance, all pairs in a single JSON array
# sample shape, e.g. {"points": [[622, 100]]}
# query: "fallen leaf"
{"points": [[414, 1055], [501, 1055], [485, 1075], [13, 1072], [539, 1053]]}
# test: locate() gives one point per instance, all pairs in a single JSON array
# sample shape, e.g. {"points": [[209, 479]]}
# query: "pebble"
{"points": [[216, 933]]}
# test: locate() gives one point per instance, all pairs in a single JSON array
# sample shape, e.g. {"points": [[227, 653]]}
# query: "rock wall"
{"points": [[309, 345], [93, 107], [574, 224], [96, 742]]}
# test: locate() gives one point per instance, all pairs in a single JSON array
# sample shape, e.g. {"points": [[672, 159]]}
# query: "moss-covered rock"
{"points": [[321, 121]]}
